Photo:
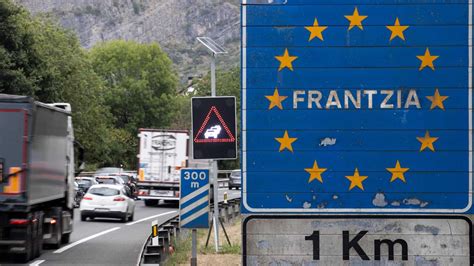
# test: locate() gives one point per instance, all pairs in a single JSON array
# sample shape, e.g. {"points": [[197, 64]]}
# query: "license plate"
{"points": [[101, 210], [161, 193]]}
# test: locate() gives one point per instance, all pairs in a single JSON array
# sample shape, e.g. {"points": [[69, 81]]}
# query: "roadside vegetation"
{"points": [[114, 88], [228, 254]]}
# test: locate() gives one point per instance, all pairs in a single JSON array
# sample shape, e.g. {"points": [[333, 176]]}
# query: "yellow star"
{"points": [[427, 141], [356, 180], [315, 172], [285, 142], [316, 30], [427, 60], [355, 19], [397, 172], [397, 30], [275, 100], [437, 100], [286, 60]]}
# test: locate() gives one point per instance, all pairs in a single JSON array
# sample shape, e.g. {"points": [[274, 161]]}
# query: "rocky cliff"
{"points": [[174, 24]]}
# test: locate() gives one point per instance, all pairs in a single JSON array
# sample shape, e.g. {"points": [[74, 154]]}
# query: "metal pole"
{"points": [[214, 163], [194, 249], [216, 206], [213, 75]]}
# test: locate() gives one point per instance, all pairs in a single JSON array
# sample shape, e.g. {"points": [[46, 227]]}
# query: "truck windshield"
{"points": [[235, 174], [109, 181], [104, 191], [84, 182]]}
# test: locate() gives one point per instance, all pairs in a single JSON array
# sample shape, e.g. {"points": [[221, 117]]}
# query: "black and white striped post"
{"points": [[194, 203]]}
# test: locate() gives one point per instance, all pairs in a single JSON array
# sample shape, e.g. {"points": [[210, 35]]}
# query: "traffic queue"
{"points": [[108, 193]]}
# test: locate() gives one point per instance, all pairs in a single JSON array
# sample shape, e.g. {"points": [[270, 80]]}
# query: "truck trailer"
{"points": [[37, 172], [162, 154]]}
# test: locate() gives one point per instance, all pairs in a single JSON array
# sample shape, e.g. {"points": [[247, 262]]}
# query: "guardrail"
{"points": [[168, 231], [223, 181], [221, 173]]}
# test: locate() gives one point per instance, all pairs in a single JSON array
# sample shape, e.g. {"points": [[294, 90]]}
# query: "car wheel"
{"points": [[83, 217], [66, 238], [131, 216], [124, 217]]}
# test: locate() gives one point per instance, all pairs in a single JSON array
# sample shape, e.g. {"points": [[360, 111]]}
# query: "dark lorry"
{"points": [[37, 176]]}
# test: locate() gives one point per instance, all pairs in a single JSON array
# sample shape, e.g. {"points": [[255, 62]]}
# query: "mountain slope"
{"points": [[174, 24]]}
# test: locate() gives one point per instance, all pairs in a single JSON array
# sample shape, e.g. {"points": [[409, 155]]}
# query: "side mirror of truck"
{"points": [[80, 157], [80, 169]]}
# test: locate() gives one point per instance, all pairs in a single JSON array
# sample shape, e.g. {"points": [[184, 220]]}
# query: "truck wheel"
{"points": [[151, 202], [29, 246], [58, 227], [38, 237], [28, 255]]}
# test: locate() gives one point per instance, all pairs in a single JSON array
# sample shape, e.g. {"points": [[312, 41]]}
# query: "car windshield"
{"points": [[125, 178], [104, 191]]}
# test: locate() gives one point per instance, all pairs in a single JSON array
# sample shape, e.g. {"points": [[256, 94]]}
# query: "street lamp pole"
{"points": [[214, 162], [213, 75]]}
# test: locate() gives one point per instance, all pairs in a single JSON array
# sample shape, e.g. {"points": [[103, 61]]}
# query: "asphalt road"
{"points": [[108, 241]]}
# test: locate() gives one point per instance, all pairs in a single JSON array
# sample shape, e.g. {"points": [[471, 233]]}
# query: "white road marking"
{"points": [[36, 262], [150, 217], [84, 240]]}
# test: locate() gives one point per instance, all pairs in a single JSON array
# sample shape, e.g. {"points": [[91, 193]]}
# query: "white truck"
{"points": [[162, 154]]}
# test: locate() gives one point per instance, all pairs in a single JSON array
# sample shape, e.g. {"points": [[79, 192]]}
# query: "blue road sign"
{"points": [[357, 106], [194, 202]]}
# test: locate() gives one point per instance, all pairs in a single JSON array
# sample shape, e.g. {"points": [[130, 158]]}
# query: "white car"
{"points": [[213, 132], [110, 201]]}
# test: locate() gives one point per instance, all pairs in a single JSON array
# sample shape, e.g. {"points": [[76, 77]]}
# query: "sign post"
{"points": [[194, 203], [359, 116], [214, 137], [215, 49]]}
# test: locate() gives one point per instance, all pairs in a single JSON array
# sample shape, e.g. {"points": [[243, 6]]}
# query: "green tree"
{"points": [[140, 90], [18, 56], [68, 76], [38, 58], [182, 117]]}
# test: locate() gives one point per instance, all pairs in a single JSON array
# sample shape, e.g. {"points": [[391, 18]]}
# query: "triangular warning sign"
{"points": [[214, 133]]}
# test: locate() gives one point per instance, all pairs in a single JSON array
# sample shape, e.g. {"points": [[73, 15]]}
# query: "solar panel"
{"points": [[211, 45]]}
